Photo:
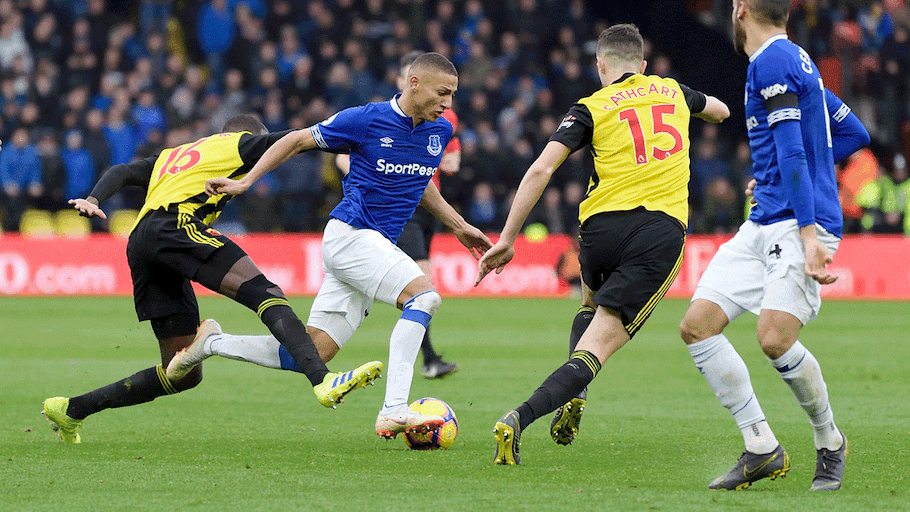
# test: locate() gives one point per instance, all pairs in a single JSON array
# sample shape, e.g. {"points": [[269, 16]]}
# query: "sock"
{"points": [[557, 389], [404, 345], [728, 377], [262, 350], [141, 387], [429, 355], [579, 326], [290, 332], [800, 370]]}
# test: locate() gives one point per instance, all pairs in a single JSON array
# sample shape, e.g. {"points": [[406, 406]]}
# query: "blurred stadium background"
{"points": [[89, 83], [85, 84]]}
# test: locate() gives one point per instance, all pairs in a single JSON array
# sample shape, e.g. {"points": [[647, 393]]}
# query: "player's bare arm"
{"points": [[288, 146], [715, 111], [343, 162], [468, 235], [450, 163], [529, 191]]}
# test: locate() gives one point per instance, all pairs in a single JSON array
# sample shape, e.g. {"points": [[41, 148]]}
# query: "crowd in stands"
{"points": [[85, 84]]}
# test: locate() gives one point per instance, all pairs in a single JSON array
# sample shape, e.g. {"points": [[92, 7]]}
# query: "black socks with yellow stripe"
{"points": [[291, 333], [138, 388], [561, 386]]}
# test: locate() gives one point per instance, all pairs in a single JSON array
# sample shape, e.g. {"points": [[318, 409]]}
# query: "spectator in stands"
{"points": [[721, 211], [12, 42], [46, 42], [215, 33], [259, 209], [299, 187], [80, 169], [859, 171], [876, 26], [153, 16], [53, 173], [20, 178], [483, 210], [121, 137], [147, 116]]}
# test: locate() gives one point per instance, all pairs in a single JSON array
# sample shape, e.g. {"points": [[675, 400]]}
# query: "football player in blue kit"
{"points": [[396, 147], [775, 265]]}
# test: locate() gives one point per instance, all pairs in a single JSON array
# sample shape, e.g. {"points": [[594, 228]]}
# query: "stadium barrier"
{"points": [[869, 267]]}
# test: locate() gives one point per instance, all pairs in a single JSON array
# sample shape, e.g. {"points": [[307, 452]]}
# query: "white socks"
{"points": [[403, 348], [800, 370], [728, 377], [261, 350]]}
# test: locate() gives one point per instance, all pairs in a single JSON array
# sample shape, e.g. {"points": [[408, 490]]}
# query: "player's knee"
{"points": [[702, 320], [693, 331], [774, 340], [259, 293], [427, 302], [325, 345]]}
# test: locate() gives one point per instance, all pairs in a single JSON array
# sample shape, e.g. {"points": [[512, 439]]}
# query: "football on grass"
{"points": [[442, 438]]}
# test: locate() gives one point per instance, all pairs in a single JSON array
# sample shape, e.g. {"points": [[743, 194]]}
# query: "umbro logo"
{"points": [[386, 142], [775, 251]]}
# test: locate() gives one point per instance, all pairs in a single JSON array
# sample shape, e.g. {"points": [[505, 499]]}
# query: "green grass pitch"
{"points": [[249, 438]]}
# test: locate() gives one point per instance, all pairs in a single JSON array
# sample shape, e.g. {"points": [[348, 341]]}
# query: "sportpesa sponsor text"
{"points": [[411, 168]]}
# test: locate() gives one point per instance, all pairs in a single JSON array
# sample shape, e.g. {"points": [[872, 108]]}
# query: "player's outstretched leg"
{"points": [[507, 432], [67, 428], [752, 467], [406, 420], [829, 467], [187, 359], [336, 385], [567, 419]]}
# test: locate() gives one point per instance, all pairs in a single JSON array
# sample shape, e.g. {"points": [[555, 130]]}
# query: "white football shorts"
{"points": [[762, 267], [361, 266]]}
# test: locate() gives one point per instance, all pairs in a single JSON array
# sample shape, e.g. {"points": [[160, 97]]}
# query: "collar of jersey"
{"points": [[623, 78], [396, 107], [766, 44]]}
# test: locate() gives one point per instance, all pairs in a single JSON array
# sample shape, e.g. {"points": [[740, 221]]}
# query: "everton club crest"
{"points": [[435, 146]]}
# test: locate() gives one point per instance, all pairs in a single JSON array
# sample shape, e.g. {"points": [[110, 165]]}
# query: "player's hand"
{"points": [[750, 191], [87, 208], [474, 240], [450, 163], [494, 259], [817, 259], [222, 185]]}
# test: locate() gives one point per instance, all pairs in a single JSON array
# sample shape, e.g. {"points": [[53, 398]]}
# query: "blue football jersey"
{"points": [[780, 67], [391, 163]]}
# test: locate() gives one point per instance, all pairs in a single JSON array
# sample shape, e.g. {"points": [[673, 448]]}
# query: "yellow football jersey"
{"points": [[638, 128], [178, 177]]}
